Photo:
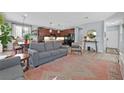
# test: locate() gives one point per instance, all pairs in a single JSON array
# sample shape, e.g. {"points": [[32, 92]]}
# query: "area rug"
{"points": [[76, 67]]}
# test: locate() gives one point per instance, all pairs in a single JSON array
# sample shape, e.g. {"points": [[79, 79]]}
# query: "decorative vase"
{"points": [[26, 42]]}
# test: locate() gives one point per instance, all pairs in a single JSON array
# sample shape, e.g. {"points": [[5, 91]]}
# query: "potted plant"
{"points": [[1, 22], [5, 30], [1, 19], [27, 38], [5, 36]]}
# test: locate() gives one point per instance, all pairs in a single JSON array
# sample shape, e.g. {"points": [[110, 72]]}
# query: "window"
{"points": [[17, 31], [20, 31]]}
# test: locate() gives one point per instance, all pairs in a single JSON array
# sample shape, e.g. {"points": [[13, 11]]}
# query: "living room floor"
{"points": [[89, 66]]}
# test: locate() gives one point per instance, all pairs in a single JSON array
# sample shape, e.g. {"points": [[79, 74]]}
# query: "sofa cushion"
{"points": [[63, 50], [49, 46], [55, 52], [9, 62], [37, 46], [57, 44], [44, 54], [11, 73]]}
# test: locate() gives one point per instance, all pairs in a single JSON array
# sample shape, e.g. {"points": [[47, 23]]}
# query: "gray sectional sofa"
{"points": [[10, 69], [41, 53]]}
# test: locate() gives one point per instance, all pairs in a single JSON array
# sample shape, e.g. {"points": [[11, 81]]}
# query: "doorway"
{"points": [[112, 39]]}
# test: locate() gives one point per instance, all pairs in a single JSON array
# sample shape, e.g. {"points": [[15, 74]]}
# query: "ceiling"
{"points": [[115, 19], [65, 19]]}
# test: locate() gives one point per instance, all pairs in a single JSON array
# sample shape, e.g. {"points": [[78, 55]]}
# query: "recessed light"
{"points": [[50, 23], [86, 17], [25, 15]]}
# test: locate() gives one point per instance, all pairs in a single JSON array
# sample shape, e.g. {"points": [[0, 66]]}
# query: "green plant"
{"points": [[5, 36], [27, 37], [1, 19]]}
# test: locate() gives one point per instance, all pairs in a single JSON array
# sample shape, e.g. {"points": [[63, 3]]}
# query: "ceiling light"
{"points": [[59, 28], [50, 23], [50, 30], [25, 15], [86, 17], [58, 31]]}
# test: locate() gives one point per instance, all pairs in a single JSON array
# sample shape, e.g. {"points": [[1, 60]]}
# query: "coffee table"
{"points": [[24, 59]]}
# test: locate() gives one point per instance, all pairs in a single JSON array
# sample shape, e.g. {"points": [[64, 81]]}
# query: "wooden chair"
{"points": [[17, 48]]}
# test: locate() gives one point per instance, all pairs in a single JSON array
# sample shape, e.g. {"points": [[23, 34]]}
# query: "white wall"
{"points": [[121, 47], [98, 26], [118, 19], [121, 44], [78, 34]]}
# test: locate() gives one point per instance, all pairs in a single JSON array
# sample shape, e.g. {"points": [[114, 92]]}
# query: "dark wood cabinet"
{"points": [[44, 32]]}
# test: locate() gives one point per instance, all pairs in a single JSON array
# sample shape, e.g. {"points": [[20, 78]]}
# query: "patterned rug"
{"points": [[77, 67]]}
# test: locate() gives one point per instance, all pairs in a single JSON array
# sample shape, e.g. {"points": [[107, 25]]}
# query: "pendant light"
{"points": [[50, 28], [58, 29]]}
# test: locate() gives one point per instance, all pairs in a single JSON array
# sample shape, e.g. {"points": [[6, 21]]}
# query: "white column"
{"points": [[104, 38], [76, 34]]}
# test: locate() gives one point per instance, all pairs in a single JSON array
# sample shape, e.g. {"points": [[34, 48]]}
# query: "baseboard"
{"points": [[121, 62]]}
